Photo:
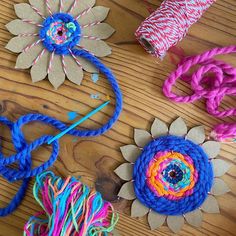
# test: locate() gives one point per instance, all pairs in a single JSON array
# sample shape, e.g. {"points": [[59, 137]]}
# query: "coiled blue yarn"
{"points": [[163, 205], [24, 150]]}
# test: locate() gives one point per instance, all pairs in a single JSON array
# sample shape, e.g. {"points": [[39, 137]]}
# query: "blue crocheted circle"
{"points": [[173, 174], [60, 33]]}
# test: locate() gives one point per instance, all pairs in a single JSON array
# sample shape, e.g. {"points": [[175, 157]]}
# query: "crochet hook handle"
{"points": [[79, 122]]}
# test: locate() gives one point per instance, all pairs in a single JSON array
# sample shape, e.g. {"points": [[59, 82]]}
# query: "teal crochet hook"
{"points": [[79, 122]]}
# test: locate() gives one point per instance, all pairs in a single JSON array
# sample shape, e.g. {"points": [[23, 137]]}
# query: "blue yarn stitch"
{"points": [[24, 150], [163, 205]]}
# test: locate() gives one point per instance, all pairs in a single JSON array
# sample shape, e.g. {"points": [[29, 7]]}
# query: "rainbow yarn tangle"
{"points": [[69, 208]]}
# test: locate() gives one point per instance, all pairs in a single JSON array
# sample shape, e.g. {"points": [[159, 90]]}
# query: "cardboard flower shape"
{"points": [[172, 174], [49, 32]]}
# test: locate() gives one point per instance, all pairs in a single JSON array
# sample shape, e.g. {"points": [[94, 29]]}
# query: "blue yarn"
{"points": [[24, 150], [164, 205], [23, 157]]}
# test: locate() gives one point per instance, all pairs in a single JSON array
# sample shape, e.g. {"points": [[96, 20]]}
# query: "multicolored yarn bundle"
{"points": [[69, 208], [213, 81], [169, 24], [172, 175]]}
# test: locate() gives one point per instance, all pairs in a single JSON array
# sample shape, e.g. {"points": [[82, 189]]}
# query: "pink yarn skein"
{"points": [[168, 25], [212, 88]]}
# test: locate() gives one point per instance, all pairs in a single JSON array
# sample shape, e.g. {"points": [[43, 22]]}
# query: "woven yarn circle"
{"points": [[60, 33], [172, 176]]}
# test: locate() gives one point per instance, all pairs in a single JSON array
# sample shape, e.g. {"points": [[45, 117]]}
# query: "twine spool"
{"points": [[168, 25]]}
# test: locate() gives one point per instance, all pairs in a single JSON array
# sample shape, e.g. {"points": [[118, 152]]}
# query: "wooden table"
{"points": [[140, 77]]}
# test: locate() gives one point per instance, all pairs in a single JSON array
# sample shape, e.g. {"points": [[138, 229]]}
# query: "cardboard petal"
{"points": [[87, 66], [68, 4], [138, 209], [155, 220], [197, 135], [130, 152], [40, 5], [96, 14], [55, 5], [178, 127], [212, 148], [220, 167], [26, 59], [210, 205], [127, 191], [219, 187], [73, 71], [175, 223], [17, 44], [125, 171], [17, 27], [194, 218], [97, 47], [115, 232], [25, 11], [159, 128], [39, 71], [142, 137], [56, 76], [82, 6], [102, 31]]}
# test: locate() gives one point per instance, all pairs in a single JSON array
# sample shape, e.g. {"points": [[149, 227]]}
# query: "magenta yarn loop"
{"points": [[168, 25], [212, 80]]}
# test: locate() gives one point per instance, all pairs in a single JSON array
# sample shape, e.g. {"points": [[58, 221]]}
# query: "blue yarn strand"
{"points": [[24, 150]]}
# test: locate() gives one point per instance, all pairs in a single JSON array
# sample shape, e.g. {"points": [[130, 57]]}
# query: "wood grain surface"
{"points": [[140, 77]]}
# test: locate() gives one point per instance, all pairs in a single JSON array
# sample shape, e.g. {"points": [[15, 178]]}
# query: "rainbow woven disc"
{"points": [[172, 176]]}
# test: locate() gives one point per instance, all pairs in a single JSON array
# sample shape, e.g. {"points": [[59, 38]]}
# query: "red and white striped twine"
{"points": [[51, 61], [39, 57], [48, 7], [89, 37], [73, 6], [64, 64], [75, 58], [61, 6], [90, 24], [32, 45], [168, 25], [86, 11], [32, 22], [38, 11]]}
